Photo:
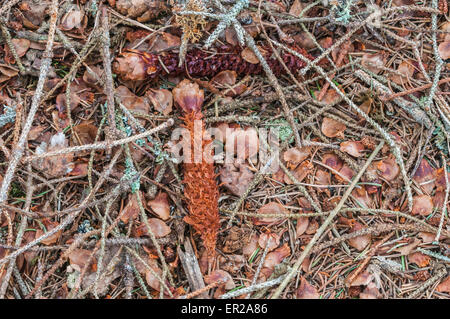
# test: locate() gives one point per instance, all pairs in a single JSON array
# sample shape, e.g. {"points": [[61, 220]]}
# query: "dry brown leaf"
{"points": [[296, 8], [157, 226], [388, 168], [374, 62], [236, 177], [251, 245], [419, 259], [295, 155], [49, 225], [221, 275], [359, 242], [306, 290], [141, 10], [424, 176], [444, 286], [362, 197], [248, 55], [21, 46], [274, 258], [353, 148], [333, 128], [370, 292], [160, 206], [333, 161], [130, 67], [79, 257], [407, 249], [131, 210], [72, 20], [264, 239], [54, 166], [440, 181], [302, 226], [362, 279], [444, 50], [270, 208], [150, 278], [242, 142], [300, 173], [161, 99], [405, 68], [131, 101], [422, 205]]}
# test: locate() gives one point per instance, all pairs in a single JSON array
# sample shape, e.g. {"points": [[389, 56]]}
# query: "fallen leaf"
{"points": [[264, 239], [295, 155], [248, 55], [444, 286], [306, 290], [274, 258], [270, 208], [221, 275], [419, 259], [72, 20], [374, 62], [130, 67], [422, 205], [407, 249], [300, 173], [354, 148], [242, 142], [54, 166], [296, 8], [362, 197], [302, 225], [405, 68], [333, 128], [236, 177], [362, 279], [388, 169], [78, 259], [370, 292], [333, 161], [49, 225], [250, 246], [150, 278], [131, 210], [359, 242], [141, 10], [440, 181], [444, 50], [160, 206], [424, 176], [157, 226], [161, 99], [131, 101]]}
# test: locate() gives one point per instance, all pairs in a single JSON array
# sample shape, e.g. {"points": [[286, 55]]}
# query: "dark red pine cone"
{"points": [[200, 63]]}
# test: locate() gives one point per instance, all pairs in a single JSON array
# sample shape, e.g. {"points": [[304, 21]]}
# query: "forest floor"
{"points": [[329, 122]]}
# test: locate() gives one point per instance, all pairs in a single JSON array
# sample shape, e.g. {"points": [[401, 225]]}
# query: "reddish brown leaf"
{"points": [[354, 148], [160, 206], [422, 205], [424, 176], [236, 177], [359, 242], [333, 128], [306, 290]]}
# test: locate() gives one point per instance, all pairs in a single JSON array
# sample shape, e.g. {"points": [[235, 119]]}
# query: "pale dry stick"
{"points": [[153, 238], [444, 204], [440, 273], [71, 216], [78, 240], [325, 224], [10, 44], [163, 284], [202, 290], [395, 149], [263, 285], [8, 6], [19, 149], [260, 265], [109, 84], [22, 227], [102, 145]]}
